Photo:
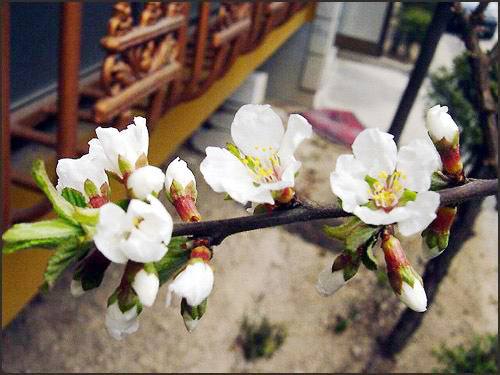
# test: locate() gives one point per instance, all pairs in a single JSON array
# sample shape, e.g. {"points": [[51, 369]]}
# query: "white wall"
{"points": [[362, 20]]}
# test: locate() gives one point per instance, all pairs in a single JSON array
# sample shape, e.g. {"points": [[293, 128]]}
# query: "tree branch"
{"points": [[218, 230]]}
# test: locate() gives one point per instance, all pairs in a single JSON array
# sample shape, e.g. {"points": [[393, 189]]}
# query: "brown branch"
{"points": [[218, 230], [480, 65]]}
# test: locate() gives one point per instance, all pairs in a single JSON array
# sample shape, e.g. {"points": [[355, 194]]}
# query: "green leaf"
{"points": [[175, 258], [368, 258], [438, 181], [141, 161], [123, 204], [74, 197], [65, 255], [342, 231], [46, 233], [62, 207], [350, 270], [86, 215], [360, 236]]}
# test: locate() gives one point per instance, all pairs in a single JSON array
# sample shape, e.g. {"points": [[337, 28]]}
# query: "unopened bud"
{"points": [[436, 236], [146, 284], [124, 308], [144, 181], [180, 186], [404, 280], [285, 196], [445, 135]]}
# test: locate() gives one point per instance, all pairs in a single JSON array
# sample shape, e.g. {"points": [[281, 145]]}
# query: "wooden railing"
{"points": [[152, 64]]}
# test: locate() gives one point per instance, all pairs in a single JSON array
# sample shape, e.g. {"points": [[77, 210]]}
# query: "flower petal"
{"points": [[380, 217], [415, 298], [329, 282], [109, 232], [141, 248], [225, 173], [297, 130], [348, 182], [178, 170], [194, 284], [440, 124], [257, 130], [422, 212], [376, 150], [145, 181], [146, 287], [417, 161]]}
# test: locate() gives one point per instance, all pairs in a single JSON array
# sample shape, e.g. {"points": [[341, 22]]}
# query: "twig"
{"points": [[218, 230]]}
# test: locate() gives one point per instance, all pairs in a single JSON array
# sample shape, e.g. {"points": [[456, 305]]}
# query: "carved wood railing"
{"points": [[153, 63]]}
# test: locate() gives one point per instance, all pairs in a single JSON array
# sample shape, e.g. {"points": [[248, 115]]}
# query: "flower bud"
{"points": [[436, 236], [121, 323], [404, 280], [329, 281], [181, 190], [445, 135], [195, 282], [144, 181], [146, 284], [441, 126]]}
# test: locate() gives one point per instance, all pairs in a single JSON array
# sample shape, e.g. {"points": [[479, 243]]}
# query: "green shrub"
{"points": [[455, 88], [413, 23], [480, 357], [260, 340]]}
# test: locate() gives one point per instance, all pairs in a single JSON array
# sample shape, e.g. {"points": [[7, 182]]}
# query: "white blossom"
{"points": [[131, 143], [72, 173], [440, 125], [120, 324], [414, 297], [144, 181], [178, 170], [194, 284], [262, 161], [380, 185], [329, 282], [141, 234], [146, 287]]}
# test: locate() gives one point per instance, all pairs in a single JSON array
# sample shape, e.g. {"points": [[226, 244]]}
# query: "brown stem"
{"points": [[218, 230]]}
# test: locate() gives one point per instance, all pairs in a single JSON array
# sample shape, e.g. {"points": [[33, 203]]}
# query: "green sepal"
{"points": [[190, 190], [359, 236], [175, 258], [61, 206], [124, 166], [90, 188], [86, 215], [123, 204], [105, 190], [341, 232], [350, 270], [227, 197], [127, 299], [91, 274], [368, 258], [142, 161], [193, 312], [370, 181], [442, 240], [407, 196], [439, 181], [260, 209], [74, 197], [46, 233], [65, 255]]}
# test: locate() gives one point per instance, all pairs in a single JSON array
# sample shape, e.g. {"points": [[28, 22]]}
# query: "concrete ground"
{"points": [[271, 273]]}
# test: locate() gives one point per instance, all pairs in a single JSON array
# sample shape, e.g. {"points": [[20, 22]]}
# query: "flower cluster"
{"points": [[389, 193]]}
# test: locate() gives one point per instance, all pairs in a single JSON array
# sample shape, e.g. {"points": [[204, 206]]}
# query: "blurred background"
{"points": [[187, 67]]}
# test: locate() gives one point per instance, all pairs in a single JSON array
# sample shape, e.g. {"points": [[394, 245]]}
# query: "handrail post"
{"points": [[69, 67], [5, 119]]}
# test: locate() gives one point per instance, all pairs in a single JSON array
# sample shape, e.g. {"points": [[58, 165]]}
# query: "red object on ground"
{"points": [[336, 125]]}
